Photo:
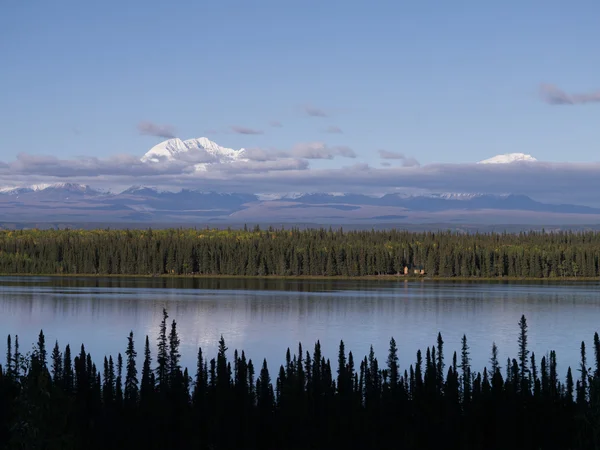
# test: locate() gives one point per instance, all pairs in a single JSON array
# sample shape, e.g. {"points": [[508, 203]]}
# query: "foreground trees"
{"points": [[308, 403], [294, 252]]}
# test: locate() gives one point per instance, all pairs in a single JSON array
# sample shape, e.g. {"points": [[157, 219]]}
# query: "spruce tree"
{"points": [[264, 391], [583, 368], [40, 352], [57, 364], [523, 355], [131, 380], [465, 366], [569, 385], [17, 359], [162, 357], [222, 374], [174, 355], [147, 385], [9, 356], [342, 384], [201, 383], [597, 354], [495, 364], [392, 365], [440, 362], [119, 381], [67, 370]]}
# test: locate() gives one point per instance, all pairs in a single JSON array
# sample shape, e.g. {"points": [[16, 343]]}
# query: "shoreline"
{"points": [[406, 278]]}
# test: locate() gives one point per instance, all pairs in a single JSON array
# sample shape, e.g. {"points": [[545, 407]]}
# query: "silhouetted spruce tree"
{"points": [[465, 366], [40, 353], [17, 359], [535, 381], [418, 387], [582, 392], [147, 386], [545, 378], [213, 375], [174, 355], [495, 364], [119, 381], [201, 384], [373, 383], [68, 370], [162, 357], [9, 357], [265, 399], [131, 380], [223, 374], [440, 363], [554, 385], [251, 384], [57, 364], [597, 354], [569, 391], [344, 385], [523, 356], [392, 365], [108, 377]]}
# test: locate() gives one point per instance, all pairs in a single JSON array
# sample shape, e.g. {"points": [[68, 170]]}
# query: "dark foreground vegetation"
{"points": [[54, 401], [300, 253]]}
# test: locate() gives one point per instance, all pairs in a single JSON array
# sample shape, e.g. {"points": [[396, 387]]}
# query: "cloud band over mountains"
{"points": [[277, 172]]}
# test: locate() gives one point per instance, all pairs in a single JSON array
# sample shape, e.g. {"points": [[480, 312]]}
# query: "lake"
{"points": [[265, 317]]}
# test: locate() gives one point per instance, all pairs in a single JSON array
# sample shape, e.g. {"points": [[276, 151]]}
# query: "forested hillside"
{"points": [[62, 400], [295, 252]]}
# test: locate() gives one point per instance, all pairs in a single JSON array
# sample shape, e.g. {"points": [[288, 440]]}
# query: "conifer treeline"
{"points": [[300, 253], [54, 401]]}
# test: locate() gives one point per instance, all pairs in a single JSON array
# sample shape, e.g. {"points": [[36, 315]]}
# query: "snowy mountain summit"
{"points": [[508, 158], [201, 151]]}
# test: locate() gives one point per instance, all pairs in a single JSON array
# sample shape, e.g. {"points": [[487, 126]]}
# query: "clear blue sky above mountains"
{"points": [[441, 82]]}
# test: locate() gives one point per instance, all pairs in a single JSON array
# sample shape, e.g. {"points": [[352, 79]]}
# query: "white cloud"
{"points": [[406, 161], [320, 150], [154, 129], [556, 96]]}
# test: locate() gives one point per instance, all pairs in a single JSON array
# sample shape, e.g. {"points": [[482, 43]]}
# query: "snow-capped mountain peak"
{"points": [[72, 187], [174, 149], [508, 158]]}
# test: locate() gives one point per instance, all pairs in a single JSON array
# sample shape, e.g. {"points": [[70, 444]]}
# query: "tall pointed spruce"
{"points": [[131, 380], [392, 364], [494, 362], [57, 364], [523, 356], [147, 384], [465, 365], [162, 357], [174, 355], [9, 356], [68, 370]]}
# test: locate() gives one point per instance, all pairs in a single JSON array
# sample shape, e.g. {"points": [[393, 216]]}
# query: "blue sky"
{"points": [[442, 82]]}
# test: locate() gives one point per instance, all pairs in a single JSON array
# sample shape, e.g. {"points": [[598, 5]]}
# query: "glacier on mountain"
{"points": [[508, 158], [175, 149]]}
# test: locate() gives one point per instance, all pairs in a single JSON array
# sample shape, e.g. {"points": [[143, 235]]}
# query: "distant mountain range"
{"points": [[76, 203], [145, 205]]}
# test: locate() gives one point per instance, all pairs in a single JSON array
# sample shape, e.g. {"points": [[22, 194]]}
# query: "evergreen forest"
{"points": [[60, 399], [308, 253]]}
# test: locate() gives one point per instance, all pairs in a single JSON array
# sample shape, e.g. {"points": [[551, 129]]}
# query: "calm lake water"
{"points": [[265, 317]]}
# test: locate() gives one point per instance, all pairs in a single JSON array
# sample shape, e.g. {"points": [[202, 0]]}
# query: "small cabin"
{"points": [[416, 271]]}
